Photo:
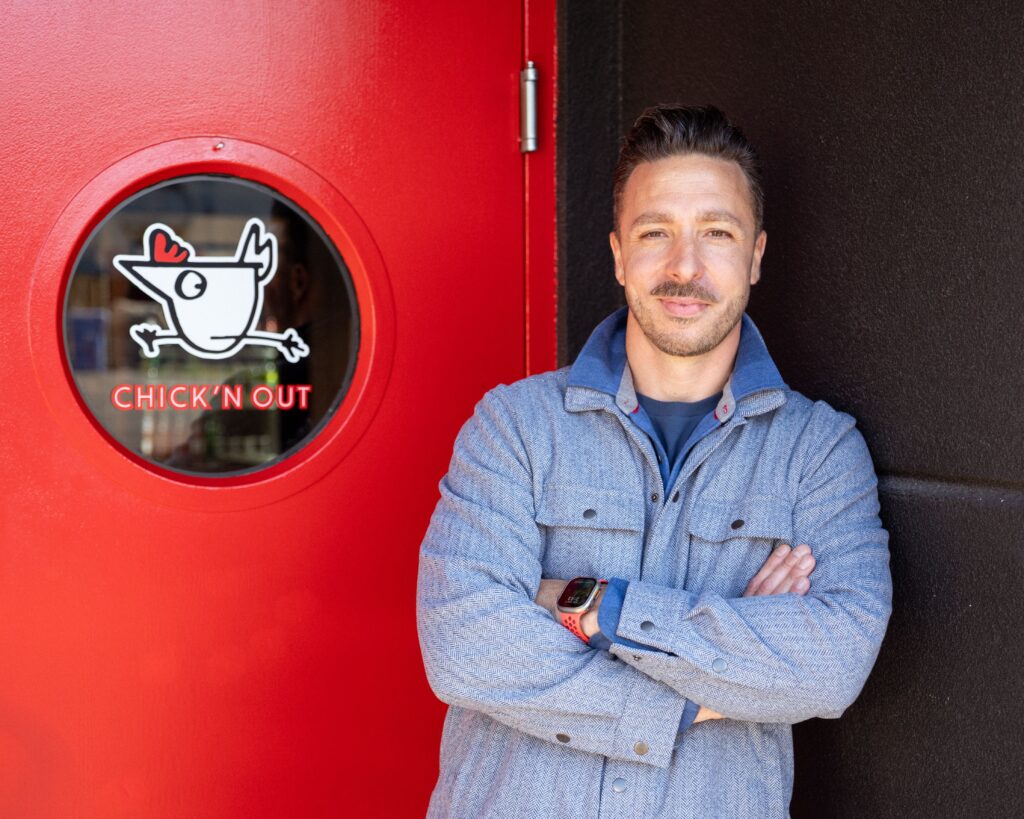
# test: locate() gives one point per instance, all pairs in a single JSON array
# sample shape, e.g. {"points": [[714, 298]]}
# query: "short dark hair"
{"points": [[676, 130]]}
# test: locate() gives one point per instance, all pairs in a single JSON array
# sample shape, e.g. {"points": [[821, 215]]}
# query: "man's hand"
{"points": [[785, 570]]}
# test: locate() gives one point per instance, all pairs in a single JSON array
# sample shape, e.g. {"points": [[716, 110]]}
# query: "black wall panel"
{"points": [[892, 139], [588, 134]]}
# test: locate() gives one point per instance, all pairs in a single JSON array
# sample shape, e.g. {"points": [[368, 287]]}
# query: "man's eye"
{"points": [[717, 233], [652, 234]]}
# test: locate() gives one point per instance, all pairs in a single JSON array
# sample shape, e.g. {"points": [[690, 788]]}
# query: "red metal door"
{"points": [[245, 646]]}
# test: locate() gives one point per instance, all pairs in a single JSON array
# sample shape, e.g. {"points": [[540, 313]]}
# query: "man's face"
{"points": [[687, 251]]}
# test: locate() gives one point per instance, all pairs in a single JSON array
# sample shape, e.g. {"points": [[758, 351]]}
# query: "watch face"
{"points": [[577, 593]]}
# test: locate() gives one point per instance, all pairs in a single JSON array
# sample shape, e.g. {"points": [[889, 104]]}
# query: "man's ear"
{"points": [[613, 240], [755, 262]]}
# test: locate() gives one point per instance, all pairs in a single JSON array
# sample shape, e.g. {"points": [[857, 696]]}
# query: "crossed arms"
{"points": [[786, 570], [489, 647]]}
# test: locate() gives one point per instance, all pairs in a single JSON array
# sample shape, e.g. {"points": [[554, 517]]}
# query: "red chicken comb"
{"points": [[163, 248]]}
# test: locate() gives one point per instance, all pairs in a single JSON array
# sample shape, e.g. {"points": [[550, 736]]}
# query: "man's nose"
{"points": [[684, 262]]}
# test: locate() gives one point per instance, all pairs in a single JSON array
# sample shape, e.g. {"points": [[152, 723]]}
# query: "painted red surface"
{"points": [[247, 647], [540, 187]]}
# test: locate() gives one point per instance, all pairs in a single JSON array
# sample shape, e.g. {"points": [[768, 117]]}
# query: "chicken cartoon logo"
{"points": [[211, 303]]}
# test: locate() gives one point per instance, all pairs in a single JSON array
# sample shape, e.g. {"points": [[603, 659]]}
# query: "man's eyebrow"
{"points": [[655, 217], [651, 217], [719, 216]]}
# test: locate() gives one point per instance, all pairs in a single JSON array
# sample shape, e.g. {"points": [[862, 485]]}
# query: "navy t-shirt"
{"points": [[674, 421]]}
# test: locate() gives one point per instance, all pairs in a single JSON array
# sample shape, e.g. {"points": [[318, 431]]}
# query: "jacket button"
{"points": [[675, 497], [647, 625], [654, 497], [719, 665], [736, 524], [641, 748], [562, 737], [619, 784], [589, 513]]}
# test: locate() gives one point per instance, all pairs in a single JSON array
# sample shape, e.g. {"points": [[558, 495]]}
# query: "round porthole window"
{"points": [[210, 326]]}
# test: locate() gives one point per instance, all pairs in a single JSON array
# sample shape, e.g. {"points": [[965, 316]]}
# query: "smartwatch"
{"points": [[578, 597]]}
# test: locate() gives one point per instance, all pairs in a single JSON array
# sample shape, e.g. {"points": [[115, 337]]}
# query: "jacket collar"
{"points": [[601, 369]]}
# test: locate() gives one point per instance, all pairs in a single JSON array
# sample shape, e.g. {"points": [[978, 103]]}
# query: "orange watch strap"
{"points": [[572, 620]]}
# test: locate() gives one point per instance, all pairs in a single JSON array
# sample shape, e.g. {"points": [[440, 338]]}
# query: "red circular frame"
{"points": [[342, 225]]}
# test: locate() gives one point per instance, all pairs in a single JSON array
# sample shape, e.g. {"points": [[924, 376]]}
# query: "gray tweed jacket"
{"points": [[540, 724]]}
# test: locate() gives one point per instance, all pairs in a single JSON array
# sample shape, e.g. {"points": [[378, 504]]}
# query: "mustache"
{"points": [[677, 290]]}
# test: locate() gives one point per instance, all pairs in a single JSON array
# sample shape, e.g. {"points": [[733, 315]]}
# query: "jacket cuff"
{"points": [[648, 729], [610, 613], [660, 616], [651, 615], [608, 619]]}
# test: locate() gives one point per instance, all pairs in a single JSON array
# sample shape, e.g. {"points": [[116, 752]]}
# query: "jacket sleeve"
{"points": [[488, 647], [782, 658]]}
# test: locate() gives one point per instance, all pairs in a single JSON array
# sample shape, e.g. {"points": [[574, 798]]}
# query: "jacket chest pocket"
{"points": [[590, 531], [730, 542]]}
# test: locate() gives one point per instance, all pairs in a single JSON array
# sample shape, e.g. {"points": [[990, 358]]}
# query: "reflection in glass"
{"points": [[162, 400]]}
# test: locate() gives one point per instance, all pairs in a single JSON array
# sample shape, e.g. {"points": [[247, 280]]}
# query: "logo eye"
{"points": [[190, 284]]}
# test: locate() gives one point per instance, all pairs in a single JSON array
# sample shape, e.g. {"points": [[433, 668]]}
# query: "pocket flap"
{"points": [[754, 517], [586, 507]]}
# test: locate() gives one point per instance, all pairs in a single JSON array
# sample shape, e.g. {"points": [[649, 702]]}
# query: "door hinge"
{"points": [[528, 108]]}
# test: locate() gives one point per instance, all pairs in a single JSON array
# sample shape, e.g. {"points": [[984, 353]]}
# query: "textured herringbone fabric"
{"points": [[541, 725]]}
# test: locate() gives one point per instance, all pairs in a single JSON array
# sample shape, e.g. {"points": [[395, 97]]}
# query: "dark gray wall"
{"points": [[892, 138], [589, 74]]}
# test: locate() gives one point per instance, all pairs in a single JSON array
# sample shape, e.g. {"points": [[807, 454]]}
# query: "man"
{"points": [[672, 461]]}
